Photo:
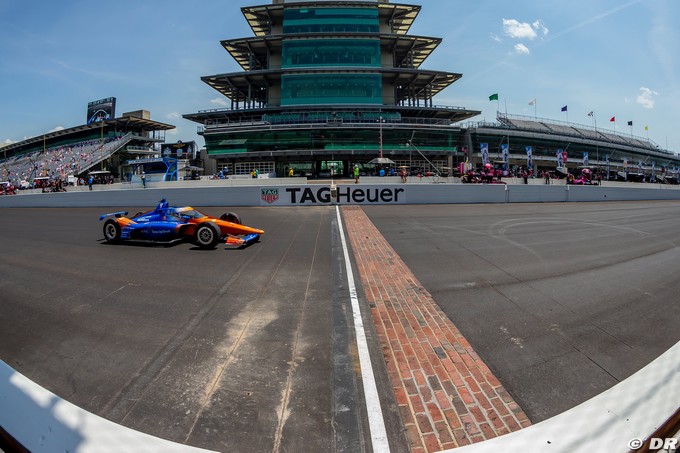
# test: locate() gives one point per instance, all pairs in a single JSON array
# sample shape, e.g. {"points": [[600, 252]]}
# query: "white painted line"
{"points": [[376, 422]]}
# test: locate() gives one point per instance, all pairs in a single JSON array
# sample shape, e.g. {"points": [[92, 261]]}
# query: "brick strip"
{"points": [[446, 394]]}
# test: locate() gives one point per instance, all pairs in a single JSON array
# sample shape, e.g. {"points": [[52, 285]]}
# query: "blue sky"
{"points": [[613, 57]]}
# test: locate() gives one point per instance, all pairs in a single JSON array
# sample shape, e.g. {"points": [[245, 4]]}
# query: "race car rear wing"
{"points": [[114, 214]]}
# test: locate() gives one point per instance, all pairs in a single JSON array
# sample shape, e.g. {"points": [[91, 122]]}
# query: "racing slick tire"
{"points": [[207, 235], [232, 217], [111, 231]]}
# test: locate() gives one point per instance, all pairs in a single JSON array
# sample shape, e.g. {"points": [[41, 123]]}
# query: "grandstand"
{"points": [[327, 85], [74, 152], [611, 152]]}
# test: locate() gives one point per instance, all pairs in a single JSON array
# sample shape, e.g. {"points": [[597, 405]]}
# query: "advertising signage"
{"points": [[103, 109], [180, 150]]}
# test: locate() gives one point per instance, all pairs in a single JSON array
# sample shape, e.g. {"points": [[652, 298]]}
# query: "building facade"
{"points": [[329, 84]]}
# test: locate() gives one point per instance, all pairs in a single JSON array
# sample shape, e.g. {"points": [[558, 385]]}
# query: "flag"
{"points": [[484, 147], [493, 97], [564, 109], [530, 152], [532, 102], [613, 120], [591, 113], [630, 123]]}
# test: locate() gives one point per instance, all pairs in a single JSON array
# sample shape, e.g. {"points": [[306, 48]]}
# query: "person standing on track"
{"points": [[356, 174]]}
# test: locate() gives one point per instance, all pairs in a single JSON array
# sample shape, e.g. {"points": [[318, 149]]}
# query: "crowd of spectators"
{"points": [[58, 164]]}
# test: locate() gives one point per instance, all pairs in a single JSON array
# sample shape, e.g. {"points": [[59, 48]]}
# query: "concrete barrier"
{"points": [[42, 422], [272, 192]]}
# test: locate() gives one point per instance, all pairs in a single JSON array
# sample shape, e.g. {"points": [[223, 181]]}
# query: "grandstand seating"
{"points": [[590, 134], [548, 127], [614, 138], [62, 161], [564, 130], [527, 125]]}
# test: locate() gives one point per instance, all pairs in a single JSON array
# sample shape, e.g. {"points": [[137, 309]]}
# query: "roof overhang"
{"points": [[253, 85], [253, 118], [252, 53], [261, 18], [125, 123]]}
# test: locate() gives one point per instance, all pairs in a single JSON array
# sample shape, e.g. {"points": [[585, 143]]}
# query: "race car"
{"points": [[167, 224]]}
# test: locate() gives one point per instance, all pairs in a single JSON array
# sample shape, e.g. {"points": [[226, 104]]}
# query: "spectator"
{"points": [[356, 174], [90, 180]]}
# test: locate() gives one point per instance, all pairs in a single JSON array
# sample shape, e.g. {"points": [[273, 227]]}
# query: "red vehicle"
{"points": [[7, 188], [585, 179]]}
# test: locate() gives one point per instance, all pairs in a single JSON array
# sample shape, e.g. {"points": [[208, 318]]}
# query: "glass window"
{"points": [[331, 52], [349, 139], [245, 168], [318, 89], [331, 20]]}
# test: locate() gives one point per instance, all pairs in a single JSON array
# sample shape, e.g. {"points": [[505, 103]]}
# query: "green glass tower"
{"points": [[329, 84]]}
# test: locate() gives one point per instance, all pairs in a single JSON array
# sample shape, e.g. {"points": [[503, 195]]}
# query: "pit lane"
{"points": [[242, 349]]}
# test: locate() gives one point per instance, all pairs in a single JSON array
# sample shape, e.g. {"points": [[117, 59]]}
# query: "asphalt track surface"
{"points": [[252, 349]]}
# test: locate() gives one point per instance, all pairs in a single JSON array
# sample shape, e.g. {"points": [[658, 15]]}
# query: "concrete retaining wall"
{"points": [[272, 193]]}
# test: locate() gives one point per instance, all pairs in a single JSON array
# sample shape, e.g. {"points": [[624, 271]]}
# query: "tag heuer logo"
{"points": [[270, 195]]}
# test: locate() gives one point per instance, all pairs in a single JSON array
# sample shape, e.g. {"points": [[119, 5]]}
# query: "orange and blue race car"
{"points": [[167, 224]]}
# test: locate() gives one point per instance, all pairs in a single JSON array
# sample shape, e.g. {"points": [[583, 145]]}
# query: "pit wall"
{"points": [[272, 193]]}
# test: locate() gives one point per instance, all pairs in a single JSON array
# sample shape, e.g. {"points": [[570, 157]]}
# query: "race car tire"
{"points": [[207, 235], [111, 231], [231, 217]]}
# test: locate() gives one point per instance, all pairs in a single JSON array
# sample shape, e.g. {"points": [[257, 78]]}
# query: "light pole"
{"points": [[381, 136], [101, 145]]}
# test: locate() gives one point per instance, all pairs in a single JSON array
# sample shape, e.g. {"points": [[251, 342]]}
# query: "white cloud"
{"points": [[646, 97], [219, 101], [173, 115], [58, 128], [495, 37], [524, 30], [518, 30], [522, 49], [538, 26], [7, 142]]}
